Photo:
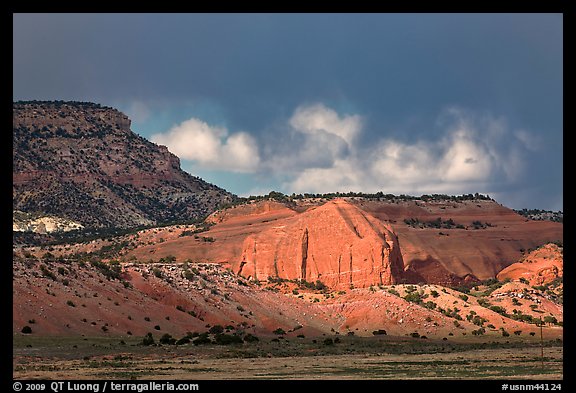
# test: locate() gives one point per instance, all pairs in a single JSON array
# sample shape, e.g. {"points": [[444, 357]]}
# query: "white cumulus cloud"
{"points": [[317, 118], [322, 151], [470, 154], [211, 147]]}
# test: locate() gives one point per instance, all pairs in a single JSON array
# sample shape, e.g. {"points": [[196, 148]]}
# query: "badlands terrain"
{"points": [[308, 277]]}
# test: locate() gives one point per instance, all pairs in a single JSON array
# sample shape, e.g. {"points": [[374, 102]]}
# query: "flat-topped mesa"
{"points": [[336, 243], [81, 161]]}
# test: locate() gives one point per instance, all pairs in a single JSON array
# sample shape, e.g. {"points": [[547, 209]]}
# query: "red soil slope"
{"points": [[175, 299]]}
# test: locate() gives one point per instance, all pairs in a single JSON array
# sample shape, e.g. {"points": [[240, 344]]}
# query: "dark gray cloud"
{"points": [[250, 72]]}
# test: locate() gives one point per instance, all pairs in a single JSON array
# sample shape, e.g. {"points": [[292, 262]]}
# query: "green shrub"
{"points": [[478, 332], [216, 329], [167, 339], [202, 339], [148, 340], [26, 330], [498, 309], [430, 305], [249, 338], [279, 332], [328, 341], [70, 303], [379, 332], [47, 273], [413, 297], [550, 320], [183, 340], [483, 303], [227, 339]]}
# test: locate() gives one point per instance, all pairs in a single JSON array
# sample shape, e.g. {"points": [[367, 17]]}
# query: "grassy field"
{"points": [[351, 358]]}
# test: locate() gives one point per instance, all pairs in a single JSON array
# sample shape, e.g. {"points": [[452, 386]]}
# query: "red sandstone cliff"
{"points": [[336, 243]]}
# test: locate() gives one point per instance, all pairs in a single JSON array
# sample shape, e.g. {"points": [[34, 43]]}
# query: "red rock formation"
{"points": [[336, 243], [539, 267]]}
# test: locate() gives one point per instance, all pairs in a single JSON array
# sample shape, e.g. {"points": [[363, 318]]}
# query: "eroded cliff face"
{"points": [[336, 243]]}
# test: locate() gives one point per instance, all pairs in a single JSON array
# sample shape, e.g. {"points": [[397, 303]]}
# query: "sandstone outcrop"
{"points": [[539, 267], [336, 243], [22, 222]]}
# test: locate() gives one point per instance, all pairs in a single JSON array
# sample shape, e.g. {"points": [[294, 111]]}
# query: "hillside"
{"points": [[81, 162], [69, 297], [473, 241], [450, 242]]}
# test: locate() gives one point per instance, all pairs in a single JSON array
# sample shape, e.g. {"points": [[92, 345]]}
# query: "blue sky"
{"points": [[403, 103]]}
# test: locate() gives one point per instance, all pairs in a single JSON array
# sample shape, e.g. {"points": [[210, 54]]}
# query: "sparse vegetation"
{"points": [[167, 339], [148, 340], [216, 329], [279, 332], [249, 338], [227, 339]]}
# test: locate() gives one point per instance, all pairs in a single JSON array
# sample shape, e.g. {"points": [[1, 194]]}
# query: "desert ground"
{"points": [[352, 358]]}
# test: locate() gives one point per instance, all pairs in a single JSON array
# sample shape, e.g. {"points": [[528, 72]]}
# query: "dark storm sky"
{"points": [[403, 103]]}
